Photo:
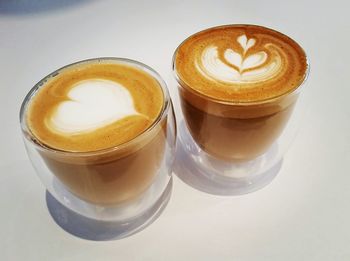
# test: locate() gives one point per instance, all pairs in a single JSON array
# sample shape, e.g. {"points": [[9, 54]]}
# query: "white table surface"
{"points": [[304, 214]]}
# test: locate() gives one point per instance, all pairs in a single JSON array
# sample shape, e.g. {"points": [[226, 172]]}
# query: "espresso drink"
{"points": [[238, 86], [99, 121]]}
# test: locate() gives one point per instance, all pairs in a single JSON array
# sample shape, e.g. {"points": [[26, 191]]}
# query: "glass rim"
{"points": [[42, 146], [239, 103]]}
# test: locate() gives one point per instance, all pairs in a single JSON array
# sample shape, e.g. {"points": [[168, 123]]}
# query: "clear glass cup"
{"points": [[231, 148], [113, 192]]}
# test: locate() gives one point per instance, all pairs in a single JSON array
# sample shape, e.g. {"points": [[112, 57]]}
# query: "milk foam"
{"points": [[240, 63], [239, 67], [92, 104]]}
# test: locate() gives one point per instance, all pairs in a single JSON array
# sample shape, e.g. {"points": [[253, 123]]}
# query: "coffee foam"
{"points": [[93, 106], [240, 63]]}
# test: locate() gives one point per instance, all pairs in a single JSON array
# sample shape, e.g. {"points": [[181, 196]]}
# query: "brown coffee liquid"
{"points": [[237, 88], [240, 63], [145, 91], [105, 177], [113, 177]]}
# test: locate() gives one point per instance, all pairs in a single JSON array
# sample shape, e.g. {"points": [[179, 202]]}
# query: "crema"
{"points": [[240, 63], [93, 106]]}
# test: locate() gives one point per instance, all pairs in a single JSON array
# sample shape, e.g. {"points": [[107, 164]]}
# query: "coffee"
{"points": [[103, 127], [94, 106], [238, 87], [242, 63]]}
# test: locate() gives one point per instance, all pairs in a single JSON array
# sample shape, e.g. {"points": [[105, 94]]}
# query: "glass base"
{"points": [[215, 176], [103, 230]]}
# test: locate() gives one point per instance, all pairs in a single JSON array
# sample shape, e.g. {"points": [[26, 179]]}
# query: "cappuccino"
{"points": [[242, 63], [101, 128], [238, 86], [90, 107]]}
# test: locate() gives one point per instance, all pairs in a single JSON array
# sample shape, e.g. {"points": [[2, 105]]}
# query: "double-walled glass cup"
{"points": [[127, 185], [233, 147]]}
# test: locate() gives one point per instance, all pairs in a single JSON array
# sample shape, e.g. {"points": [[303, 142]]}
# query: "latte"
{"points": [[240, 63], [101, 127], [90, 107], [238, 85]]}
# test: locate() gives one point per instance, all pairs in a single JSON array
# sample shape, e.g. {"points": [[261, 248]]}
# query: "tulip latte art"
{"points": [[240, 63]]}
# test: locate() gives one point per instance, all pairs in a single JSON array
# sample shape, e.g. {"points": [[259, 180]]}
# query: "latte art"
{"points": [[239, 67], [92, 104], [237, 62]]}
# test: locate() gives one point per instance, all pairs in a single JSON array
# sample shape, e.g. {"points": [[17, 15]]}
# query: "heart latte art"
{"points": [[93, 106], [240, 63]]}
